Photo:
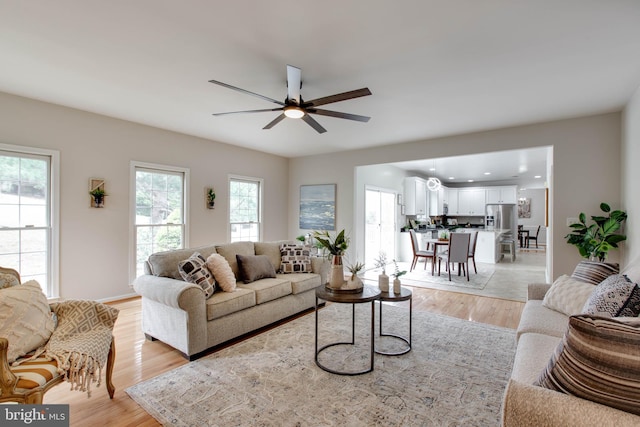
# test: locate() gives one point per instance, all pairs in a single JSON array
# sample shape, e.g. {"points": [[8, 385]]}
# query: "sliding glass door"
{"points": [[380, 225]]}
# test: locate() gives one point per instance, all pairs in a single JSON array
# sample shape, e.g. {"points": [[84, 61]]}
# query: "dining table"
{"points": [[437, 244], [523, 237]]}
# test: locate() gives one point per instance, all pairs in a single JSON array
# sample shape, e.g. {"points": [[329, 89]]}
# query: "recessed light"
{"points": [[452, 177], [487, 173], [537, 176], [469, 180], [432, 169]]}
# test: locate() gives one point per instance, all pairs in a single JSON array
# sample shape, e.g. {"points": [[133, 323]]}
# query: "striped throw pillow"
{"points": [[594, 272], [598, 360]]}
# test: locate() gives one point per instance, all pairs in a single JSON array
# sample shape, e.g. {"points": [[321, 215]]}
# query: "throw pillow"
{"points": [[616, 296], [594, 272], [254, 267], [194, 270], [7, 280], [567, 295], [295, 258], [222, 272], [25, 318], [597, 360]]}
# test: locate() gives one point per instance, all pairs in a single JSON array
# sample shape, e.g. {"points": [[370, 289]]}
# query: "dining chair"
{"points": [[472, 249], [417, 253], [458, 253], [529, 238]]}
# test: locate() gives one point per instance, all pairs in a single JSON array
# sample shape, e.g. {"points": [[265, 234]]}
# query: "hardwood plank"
{"points": [[138, 359]]}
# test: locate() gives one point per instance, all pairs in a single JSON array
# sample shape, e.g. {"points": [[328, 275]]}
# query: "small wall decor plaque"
{"points": [[97, 192], [210, 197]]}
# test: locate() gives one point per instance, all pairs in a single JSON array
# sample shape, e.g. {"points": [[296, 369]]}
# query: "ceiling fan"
{"points": [[296, 108]]}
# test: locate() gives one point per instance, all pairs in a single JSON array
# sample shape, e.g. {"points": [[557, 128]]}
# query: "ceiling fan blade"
{"points": [[266, 98], [247, 111], [313, 123], [338, 97], [294, 83], [338, 114], [275, 121]]}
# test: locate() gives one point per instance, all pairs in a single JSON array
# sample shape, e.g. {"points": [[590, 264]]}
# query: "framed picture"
{"points": [[524, 208], [318, 207]]}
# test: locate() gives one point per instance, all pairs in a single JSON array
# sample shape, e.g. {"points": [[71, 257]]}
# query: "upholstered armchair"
{"points": [[42, 345]]}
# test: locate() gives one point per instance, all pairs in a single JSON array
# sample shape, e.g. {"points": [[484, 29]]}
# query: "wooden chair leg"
{"points": [[111, 359]]}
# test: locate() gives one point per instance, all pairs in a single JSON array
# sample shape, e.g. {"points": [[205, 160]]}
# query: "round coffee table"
{"points": [[404, 295], [368, 294]]}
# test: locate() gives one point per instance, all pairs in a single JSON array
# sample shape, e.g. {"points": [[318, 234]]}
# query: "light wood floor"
{"points": [[138, 360]]}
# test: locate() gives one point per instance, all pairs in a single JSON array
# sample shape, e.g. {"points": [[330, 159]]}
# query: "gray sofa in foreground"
{"points": [[539, 333], [177, 313]]}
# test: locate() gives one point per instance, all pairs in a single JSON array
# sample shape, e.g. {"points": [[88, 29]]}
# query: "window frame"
{"points": [[134, 166], [53, 204], [260, 182]]}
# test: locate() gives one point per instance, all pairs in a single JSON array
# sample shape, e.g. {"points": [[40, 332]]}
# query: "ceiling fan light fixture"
{"points": [[293, 112]]}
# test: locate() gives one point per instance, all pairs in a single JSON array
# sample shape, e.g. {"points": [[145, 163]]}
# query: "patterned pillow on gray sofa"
{"points": [[616, 296], [194, 270], [295, 258], [594, 272]]}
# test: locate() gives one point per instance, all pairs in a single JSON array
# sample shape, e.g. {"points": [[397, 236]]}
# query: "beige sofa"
{"points": [[539, 333], [177, 312]]}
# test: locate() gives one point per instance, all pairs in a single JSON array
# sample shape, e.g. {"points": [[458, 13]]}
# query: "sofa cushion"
{"points": [[567, 295], [165, 264], [224, 303], [272, 250], [230, 250], [26, 320], [219, 267], [254, 267], [532, 356], [615, 296], [597, 360], [594, 272], [539, 319], [194, 270], [301, 282], [295, 258], [268, 289]]}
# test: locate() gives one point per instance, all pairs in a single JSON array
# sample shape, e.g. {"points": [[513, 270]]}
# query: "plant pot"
{"points": [[383, 282], [397, 286], [336, 279], [98, 201], [353, 284], [210, 205]]}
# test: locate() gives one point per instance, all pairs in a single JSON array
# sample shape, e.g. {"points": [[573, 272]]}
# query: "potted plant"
{"points": [[336, 246], [98, 195], [383, 279], [354, 282], [211, 198], [396, 281], [595, 240]]}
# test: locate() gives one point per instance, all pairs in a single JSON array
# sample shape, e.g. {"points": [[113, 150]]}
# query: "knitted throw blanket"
{"points": [[81, 341]]}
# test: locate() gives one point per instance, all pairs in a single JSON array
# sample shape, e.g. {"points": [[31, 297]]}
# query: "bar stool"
{"points": [[510, 245]]}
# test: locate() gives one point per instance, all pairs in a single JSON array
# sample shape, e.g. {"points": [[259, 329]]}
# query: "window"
{"points": [[244, 209], [159, 211], [28, 219]]}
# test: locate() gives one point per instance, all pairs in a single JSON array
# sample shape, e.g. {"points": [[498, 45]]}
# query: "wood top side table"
{"points": [[404, 295]]}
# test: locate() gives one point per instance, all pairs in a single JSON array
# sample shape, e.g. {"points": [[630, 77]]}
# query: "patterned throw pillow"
{"points": [[295, 258], [594, 272], [255, 267], [222, 272], [567, 295], [616, 296], [597, 360], [7, 280], [194, 270], [25, 318]]}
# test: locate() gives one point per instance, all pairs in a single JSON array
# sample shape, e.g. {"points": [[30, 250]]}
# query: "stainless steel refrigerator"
{"points": [[502, 216]]}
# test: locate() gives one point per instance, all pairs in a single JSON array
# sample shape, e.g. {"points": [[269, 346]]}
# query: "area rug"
{"points": [[455, 375], [422, 278]]}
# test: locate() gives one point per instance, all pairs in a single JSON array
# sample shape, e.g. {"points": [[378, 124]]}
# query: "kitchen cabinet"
{"points": [[471, 201], [504, 194], [436, 201], [415, 196], [452, 201]]}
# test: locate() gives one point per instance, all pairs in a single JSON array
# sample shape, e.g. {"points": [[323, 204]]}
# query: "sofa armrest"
{"points": [[527, 405], [537, 291], [170, 292]]}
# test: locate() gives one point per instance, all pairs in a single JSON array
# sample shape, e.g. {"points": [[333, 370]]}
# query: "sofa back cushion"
{"points": [[165, 264], [230, 250], [272, 251]]}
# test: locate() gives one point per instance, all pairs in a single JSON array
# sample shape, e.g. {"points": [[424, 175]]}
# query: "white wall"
{"points": [[631, 176], [582, 149], [94, 252]]}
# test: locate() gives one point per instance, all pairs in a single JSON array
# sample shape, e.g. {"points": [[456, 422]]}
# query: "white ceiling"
{"points": [[435, 68]]}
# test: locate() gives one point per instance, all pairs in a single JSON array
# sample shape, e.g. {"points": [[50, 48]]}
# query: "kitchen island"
{"points": [[488, 245]]}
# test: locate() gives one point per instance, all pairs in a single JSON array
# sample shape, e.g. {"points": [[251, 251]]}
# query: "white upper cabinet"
{"points": [[415, 196], [471, 201], [452, 201], [505, 194]]}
